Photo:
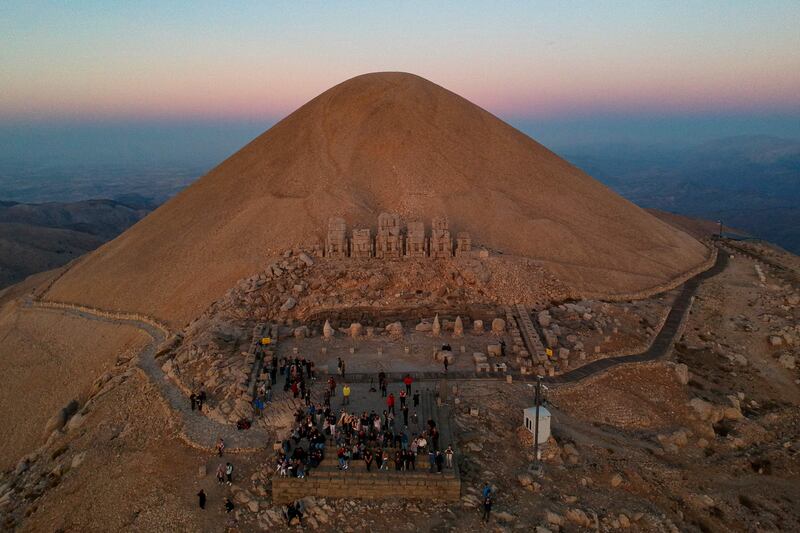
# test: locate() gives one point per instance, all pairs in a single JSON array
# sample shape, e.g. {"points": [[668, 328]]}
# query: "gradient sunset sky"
{"points": [[108, 60]]}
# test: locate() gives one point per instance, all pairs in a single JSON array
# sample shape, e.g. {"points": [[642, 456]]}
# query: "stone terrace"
{"points": [[330, 482]]}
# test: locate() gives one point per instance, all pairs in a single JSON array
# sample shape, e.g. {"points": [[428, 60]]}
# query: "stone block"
{"points": [[478, 357]]}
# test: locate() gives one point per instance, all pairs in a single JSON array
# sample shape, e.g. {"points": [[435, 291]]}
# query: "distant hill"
{"points": [[38, 237], [748, 182]]}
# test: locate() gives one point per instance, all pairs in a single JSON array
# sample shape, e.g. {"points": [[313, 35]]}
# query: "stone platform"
{"points": [[356, 482]]}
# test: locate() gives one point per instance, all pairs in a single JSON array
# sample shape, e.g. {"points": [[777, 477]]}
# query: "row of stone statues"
{"points": [[391, 243]]}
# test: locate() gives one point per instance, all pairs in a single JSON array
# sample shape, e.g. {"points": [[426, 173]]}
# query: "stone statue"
{"points": [[436, 330], [327, 330], [463, 244], [361, 244], [389, 241], [441, 241], [458, 328], [416, 243], [336, 240]]}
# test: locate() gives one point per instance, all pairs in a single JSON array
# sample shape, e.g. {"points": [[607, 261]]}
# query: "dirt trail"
{"points": [[197, 430]]}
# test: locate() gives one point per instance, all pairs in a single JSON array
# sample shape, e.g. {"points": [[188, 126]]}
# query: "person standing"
{"points": [[229, 473], [193, 400], [382, 382], [408, 380], [220, 474], [368, 460], [405, 415], [390, 402], [416, 399], [487, 508], [439, 462], [446, 363], [403, 396], [228, 505], [448, 456], [220, 447], [346, 394], [201, 497], [201, 398]]}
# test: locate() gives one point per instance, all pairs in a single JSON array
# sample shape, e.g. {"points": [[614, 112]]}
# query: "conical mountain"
{"points": [[379, 142]]}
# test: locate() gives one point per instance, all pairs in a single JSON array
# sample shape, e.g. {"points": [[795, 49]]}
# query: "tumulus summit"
{"points": [[383, 142]]}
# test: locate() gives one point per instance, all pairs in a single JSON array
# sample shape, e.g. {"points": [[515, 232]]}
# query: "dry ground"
{"points": [[628, 450], [46, 360]]}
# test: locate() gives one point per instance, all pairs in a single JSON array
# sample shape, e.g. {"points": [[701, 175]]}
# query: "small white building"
{"points": [[529, 415]]}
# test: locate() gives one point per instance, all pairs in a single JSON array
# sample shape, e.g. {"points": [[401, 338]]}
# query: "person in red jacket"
{"points": [[390, 402], [408, 380]]}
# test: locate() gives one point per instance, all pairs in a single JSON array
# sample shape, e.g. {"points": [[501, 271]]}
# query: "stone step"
{"points": [[421, 473]]}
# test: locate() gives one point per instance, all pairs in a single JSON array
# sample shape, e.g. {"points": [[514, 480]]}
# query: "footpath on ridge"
{"points": [[197, 430], [662, 344]]}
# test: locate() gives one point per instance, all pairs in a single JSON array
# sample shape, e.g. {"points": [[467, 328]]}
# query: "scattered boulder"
{"points": [[578, 517], [526, 480], [378, 281], [424, 327], [395, 329], [544, 319], [616, 480], [355, 329], [305, 258], [554, 518], [61, 417], [682, 373], [77, 460], [289, 304], [498, 326], [706, 410], [787, 361]]}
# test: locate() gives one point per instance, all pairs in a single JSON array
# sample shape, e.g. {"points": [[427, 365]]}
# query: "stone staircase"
{"points": [[529, 333]]}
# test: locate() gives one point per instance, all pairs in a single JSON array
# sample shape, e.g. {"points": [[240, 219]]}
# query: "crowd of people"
{"points": [[390, 440]]}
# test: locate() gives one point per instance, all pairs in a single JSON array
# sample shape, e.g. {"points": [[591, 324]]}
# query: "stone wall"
{"points": [[115, 315], [368, 486], [656, 289], [377, 316]]}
